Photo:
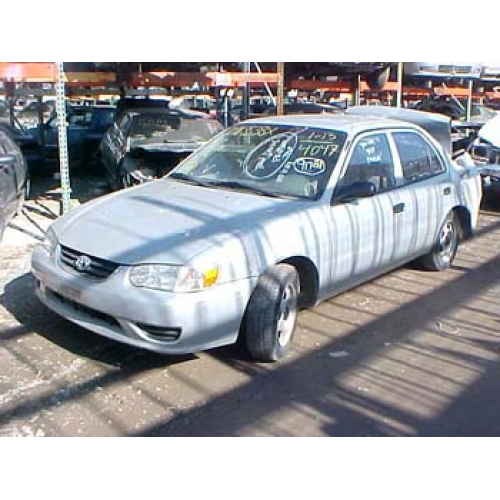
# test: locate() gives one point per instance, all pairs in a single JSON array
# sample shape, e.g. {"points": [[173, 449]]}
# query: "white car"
{"points": [[470, 70], [271, 215]]}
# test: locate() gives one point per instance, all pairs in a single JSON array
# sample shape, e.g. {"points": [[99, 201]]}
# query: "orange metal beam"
{"points": [[344, 87], [28, 72], [97, 79], [168, 79], [230, 79]]}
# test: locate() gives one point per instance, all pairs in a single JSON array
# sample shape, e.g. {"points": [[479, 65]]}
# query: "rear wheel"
{"points": [[445, 248], [272, 313]]}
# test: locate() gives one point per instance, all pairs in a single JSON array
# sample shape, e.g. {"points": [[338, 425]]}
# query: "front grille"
{"points": [[87, 311], [97, 268]]}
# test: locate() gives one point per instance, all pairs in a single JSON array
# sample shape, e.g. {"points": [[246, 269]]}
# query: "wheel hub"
{"points": [[287, 315], [447, 242]]}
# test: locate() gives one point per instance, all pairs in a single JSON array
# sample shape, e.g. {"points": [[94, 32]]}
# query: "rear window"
{"points": [[173, 128]]}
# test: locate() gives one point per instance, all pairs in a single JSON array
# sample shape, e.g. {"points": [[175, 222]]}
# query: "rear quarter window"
{"points": [[419, 160]]}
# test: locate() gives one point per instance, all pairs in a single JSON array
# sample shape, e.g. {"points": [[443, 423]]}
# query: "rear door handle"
{"points": [[399, 208], [446, 191]]}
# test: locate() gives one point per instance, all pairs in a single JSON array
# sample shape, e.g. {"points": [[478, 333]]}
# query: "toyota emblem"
{"points": [[83, 263]]}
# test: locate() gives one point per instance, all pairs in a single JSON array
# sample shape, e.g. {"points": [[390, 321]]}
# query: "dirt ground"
{"points": [[412, 353]]}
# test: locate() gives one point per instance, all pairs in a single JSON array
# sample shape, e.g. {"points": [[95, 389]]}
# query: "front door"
{"points": [[363, 229]]}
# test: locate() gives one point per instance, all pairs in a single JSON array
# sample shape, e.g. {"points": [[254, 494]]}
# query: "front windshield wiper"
{"points": [[228, 184], [187, 178]]}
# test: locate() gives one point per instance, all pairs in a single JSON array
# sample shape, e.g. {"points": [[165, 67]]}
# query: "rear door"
{"points": [[426, 191]]}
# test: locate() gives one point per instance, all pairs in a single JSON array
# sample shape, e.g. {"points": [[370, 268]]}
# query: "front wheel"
{"points": [[272, 313], [442, 254]]}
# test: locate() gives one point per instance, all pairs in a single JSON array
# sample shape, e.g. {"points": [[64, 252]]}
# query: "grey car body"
{"points": [[272, 214], [146, 143], [85, 128], [14, 179]]}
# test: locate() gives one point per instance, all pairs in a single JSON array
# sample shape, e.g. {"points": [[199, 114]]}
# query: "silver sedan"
{"points": [[270, 216]]}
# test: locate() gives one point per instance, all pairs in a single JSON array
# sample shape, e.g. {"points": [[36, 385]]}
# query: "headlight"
{"points": [[173, 278], [50, 241]]}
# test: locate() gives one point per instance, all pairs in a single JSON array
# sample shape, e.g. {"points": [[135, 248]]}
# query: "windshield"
{"points": [[276, 160], [172, 128]]}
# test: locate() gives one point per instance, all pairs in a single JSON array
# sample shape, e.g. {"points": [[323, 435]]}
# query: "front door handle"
{"points": [[399, 208], [446, 191]]}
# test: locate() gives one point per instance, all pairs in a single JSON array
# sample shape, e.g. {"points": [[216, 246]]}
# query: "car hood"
{"points": [[164, 221]]}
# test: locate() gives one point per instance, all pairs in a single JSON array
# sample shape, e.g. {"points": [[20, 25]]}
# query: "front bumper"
{"points": [[164, 322]]}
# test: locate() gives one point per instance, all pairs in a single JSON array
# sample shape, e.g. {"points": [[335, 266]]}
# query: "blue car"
{"points": [[86, 126]]}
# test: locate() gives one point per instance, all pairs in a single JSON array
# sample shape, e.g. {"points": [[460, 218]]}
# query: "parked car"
{"points": [[376, 74], [485, 152], [456, 109], [144, 144], [271, 215], [86, 126], [490, 71], [27, 143], [443, 70], [29, 115], [14, 180]]}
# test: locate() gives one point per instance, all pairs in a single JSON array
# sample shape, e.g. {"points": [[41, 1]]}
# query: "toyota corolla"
{"points": [[270, 216]]}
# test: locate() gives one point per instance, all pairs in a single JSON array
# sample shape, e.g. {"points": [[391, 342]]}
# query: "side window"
{"points": [[371, 160], [418, 159]]}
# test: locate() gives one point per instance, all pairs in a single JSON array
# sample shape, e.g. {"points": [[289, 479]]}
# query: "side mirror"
{"points": [[357, 189]]}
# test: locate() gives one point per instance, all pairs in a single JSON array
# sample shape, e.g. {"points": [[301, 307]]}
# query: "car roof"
{"points": [[83, 107], [186, 113], [351, 124], [361, 119]]}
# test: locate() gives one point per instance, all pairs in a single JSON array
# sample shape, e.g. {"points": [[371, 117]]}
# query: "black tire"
{"points": [[442, 254], [271, 314]]}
